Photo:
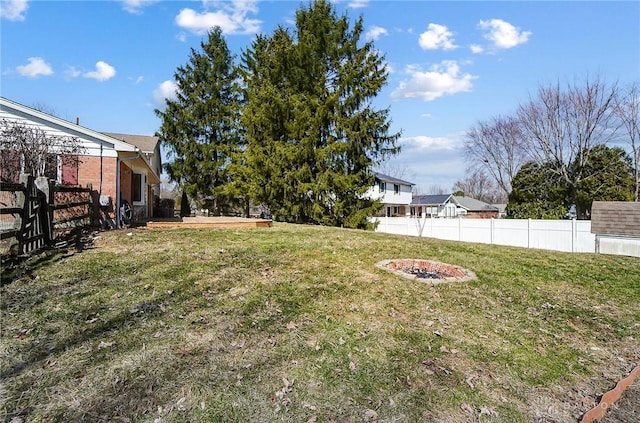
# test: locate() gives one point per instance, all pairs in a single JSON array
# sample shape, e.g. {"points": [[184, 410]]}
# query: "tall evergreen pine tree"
{"points": [[313, 136], [200, 127]]}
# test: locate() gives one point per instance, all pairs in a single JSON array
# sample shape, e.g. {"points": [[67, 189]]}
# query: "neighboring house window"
{"points": [[396, 210], [383, 186], [396, 189]]}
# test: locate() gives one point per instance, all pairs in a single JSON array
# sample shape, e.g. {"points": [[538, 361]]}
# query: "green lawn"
{"points": [[295, 323]]}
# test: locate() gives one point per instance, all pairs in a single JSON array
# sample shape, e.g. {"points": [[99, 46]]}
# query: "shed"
{"points": [[616, 225]]}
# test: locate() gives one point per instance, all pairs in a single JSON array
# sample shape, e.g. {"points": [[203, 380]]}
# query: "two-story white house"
{"points": [[395, 194]]}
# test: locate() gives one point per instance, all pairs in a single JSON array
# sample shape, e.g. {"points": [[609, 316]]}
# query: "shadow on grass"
{"points": [[114, 324], [14, 267]]}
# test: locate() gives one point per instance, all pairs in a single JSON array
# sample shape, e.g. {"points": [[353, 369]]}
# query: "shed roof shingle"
{"points": [[615, 218]]}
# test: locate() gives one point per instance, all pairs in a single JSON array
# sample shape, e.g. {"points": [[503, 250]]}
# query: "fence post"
{"points": [[528, 233], [46, 211], [492, 228], [24, 202]]}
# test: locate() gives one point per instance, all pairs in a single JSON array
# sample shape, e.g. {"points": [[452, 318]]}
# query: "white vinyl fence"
{"points": [[558, 235]]}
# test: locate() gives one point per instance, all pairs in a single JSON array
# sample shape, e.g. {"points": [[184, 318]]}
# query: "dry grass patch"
{"points": [[295, 323]]}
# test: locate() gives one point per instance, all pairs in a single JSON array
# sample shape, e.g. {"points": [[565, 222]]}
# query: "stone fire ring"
{"points": [[428, 271]]}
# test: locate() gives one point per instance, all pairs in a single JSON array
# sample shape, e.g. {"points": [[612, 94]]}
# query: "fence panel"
{"points": [[35, 212], [557, 235]]}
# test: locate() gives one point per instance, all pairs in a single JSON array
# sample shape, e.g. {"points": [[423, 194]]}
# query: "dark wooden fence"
{"points": [[36, 212]]}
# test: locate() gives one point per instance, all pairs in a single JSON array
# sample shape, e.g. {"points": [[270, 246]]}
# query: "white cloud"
{"points": [[137, 80], [136, 6], [181, 37], [103, 72], [166, 90], [476, 49], [426, 115], [13, 10], [36, 67], [437, 37], [231, 17], [442, 79], [358, 4], [375, 32], [423, 142], [72, 72], [502, 34]]}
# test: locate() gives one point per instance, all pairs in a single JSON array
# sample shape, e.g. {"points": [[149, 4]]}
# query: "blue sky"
{"points": [[451, 63]]}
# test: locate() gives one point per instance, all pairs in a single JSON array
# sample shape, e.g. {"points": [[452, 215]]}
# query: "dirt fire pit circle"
{"points": [[427, 271]]}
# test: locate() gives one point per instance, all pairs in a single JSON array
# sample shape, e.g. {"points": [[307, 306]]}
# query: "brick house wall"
{"points": [[89, 173]]}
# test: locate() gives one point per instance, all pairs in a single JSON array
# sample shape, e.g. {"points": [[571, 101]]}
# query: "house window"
{"points": [[54, 167], [396, 189], [34, 165], [137, 189], [382, 186]]}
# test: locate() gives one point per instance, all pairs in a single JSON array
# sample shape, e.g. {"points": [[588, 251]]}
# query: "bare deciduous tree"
{"points": [[627, 110], [495, 148], [561, 127], [32, 150], [435, 189], [479, 185]]}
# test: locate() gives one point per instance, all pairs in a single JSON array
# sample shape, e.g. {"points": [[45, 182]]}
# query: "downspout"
{"points": [[118, 194]]}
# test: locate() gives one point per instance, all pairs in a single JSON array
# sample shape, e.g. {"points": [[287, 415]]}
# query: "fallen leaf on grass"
{"points": [[288, 386], [467, 408], [238, 344], [352, 366], [469, 381], [291, 325], [48, 363], [489, 411], [106, 344], [370, 416]]}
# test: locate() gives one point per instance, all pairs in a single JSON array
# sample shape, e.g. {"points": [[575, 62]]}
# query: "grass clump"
{"points": [[295, 323]]}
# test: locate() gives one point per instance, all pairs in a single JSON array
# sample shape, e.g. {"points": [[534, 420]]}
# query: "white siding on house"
{"points": [[390, 195], [91, 141]]}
